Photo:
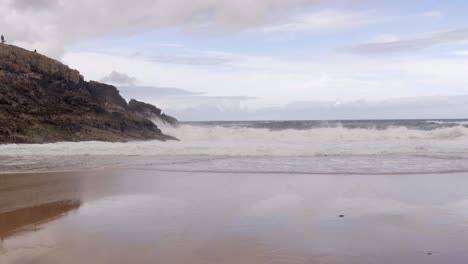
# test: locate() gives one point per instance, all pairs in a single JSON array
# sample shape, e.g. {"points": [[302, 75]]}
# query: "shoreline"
{"points": [[294, 165]]}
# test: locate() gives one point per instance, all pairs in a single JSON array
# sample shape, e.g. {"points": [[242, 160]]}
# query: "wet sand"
{"points": [[150, 216]]}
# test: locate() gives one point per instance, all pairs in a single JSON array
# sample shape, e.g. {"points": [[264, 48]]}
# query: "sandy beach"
{"points": [[233, 132], [143, 216]]}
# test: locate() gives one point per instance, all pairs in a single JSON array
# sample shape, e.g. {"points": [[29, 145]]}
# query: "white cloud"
{"points": [[279, 82], [417, 42], [50, 25], [382, 38], [231, 108], [459, 53], [226, 78], [324, 20], [433, 14], [189, 59], [170, 45]]}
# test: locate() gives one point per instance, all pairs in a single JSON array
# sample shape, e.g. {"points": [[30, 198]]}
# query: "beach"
{"points": [[233, 132], [348, 192], [143, 216]]}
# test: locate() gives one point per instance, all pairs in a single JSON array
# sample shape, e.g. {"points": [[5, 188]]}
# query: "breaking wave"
{"points": [[229, 140]]}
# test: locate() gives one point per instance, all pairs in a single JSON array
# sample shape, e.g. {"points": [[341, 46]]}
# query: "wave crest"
{"points": [[244, 141]]}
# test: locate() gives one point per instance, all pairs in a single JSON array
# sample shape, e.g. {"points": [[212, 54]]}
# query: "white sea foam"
{"points": [[242, 141], [445, 122]]}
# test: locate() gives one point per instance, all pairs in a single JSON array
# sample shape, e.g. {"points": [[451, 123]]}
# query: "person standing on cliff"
{"points": [[3, 39]]}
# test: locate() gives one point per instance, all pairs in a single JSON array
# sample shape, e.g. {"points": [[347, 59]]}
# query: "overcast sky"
{"points": [[264, 59]]}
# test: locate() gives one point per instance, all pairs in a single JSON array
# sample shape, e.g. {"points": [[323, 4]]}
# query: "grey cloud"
{"points": [[33, 4], [185, 104], [118, 78], [190, 60], [190, 106], [238, 98], [153, 92], [60, 23], [432, 107], [412, 44]]}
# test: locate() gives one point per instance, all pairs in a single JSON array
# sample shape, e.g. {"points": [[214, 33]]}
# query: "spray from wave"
{"points": [[255, 139], [288, 147]]}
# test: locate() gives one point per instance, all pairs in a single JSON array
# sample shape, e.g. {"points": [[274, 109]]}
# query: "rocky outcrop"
{"points": [[150, 111], [170, 120], [42, 100], [144, 109], [20, 61], [107, 93]]}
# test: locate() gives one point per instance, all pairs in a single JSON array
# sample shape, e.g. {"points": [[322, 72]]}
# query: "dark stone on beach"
{"points": [[341, 216], [43, 100], [429, 254]]}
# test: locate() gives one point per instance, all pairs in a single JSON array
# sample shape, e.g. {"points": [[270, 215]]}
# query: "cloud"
{"points": [[178, 101], [324, 20], [173, 93], [278, 81], [433, 14], [290, 88], [170, 45], [153, 92], [190, 60], [29, 5], [118, 78], [459, 53], [431, 107], [50, 25], [412, 44], [385, 38]]}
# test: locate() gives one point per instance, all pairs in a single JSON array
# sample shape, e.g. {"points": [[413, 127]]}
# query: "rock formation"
{"points": [[42, 100], [151, 112]]}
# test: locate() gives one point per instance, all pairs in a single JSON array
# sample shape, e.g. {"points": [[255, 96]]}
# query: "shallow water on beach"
{"points": [[153, 216]]}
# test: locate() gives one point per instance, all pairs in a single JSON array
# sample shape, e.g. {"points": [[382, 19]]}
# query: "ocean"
{"points": [[308, 147], [292, 192]]}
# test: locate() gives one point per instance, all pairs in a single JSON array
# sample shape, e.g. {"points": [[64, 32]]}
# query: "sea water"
{"points": [[309, 147]]}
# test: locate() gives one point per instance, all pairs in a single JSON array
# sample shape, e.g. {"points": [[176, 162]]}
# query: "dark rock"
{"points": [[169, 119], [150, 111], [144, 109], [21, 61], [107, 93], [42, 100]]}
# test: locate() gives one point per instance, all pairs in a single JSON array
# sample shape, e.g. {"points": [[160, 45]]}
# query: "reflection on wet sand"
{"points": [[19, 191], [149, 216], [28, 218]]}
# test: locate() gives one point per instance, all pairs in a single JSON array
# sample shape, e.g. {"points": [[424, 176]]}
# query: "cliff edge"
{"points": [[43, 100], [151, 112]]}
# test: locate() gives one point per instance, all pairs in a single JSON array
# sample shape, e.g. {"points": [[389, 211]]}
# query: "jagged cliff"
{"points": [[42, 100], [150, 111]]}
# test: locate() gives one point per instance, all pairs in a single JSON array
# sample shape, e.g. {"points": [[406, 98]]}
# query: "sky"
{"points": [[263, 59]]}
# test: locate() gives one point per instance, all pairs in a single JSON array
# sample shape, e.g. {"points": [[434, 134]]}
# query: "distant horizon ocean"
{"points": [[346, 146]]}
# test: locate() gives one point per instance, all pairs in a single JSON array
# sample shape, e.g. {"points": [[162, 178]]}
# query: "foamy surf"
{"points": [[227, 141], [296, 147]]}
